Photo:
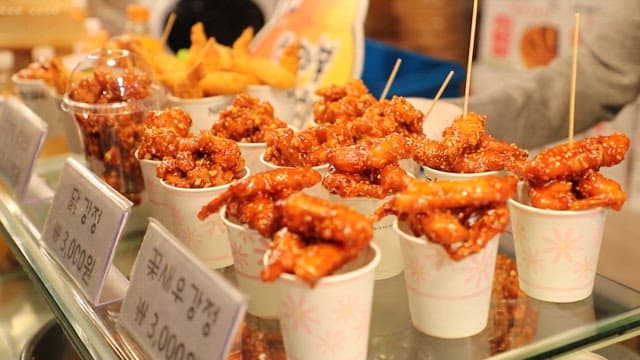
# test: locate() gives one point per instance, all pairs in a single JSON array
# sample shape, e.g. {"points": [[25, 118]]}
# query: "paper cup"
{"points": [[208, 239], [330, 320], [67, 124], [248, 248], [316, 190], [447, 299], [282, 101], [35, 94], [410, 166], [383, 235], [431, 174], [556, 251], [440, 118], [204, 111], [156, 193], [251, 153]]}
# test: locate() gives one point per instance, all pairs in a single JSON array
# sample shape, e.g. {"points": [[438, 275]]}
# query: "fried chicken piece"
{"points": [[248, 119], [308, 147], [565, 161], [316, 218]]}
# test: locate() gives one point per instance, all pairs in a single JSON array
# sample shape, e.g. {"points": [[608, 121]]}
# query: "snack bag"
{"points": [[332, 43]]}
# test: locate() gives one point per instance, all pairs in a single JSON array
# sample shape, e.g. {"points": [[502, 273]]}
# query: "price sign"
{"points": [[22, 134], [175, 307], [82, 229]]}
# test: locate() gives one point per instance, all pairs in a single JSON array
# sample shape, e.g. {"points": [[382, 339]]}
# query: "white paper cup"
{"points": [[208, 239], [410, 166], [156, 193], [248, 248], [67, 124], [447, 298], [251, 153], [431, 174], [316, 190], [383, 234], [440, 118], [282, 101], [330, 320], [35, 94], [556, 251], [203, 111]]}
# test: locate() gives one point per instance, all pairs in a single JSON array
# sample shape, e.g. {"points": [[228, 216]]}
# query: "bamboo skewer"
{"points": [[392, 77], [167, 29], [472, 38], [574, 71], [439, 93]]}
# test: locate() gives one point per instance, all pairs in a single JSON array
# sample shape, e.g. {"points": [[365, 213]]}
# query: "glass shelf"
{"points": [[612, 312]]}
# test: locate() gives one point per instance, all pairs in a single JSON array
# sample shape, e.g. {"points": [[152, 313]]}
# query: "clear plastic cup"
{"points": [[447, 298], [330, 320], [109, 94]]}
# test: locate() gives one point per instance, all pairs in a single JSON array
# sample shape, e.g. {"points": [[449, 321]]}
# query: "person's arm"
{"points": [[535, 109]]}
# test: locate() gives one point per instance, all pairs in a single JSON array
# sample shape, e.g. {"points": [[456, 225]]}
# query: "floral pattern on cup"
{"points": [[331, 320], [207, 239], [447, 298], [383, 235], [557, 251], [247, 249]]}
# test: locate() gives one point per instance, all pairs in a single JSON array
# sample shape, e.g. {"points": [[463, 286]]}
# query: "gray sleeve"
{"points": [[534, 109]]}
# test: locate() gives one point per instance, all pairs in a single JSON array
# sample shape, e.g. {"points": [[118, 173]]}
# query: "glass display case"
{"points": [[529, 329]]}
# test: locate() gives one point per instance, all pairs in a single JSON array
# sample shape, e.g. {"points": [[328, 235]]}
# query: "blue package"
{"points": [[418, 75]]}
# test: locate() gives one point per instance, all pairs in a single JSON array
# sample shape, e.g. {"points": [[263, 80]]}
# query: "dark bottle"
{"points": [[222, 19]]}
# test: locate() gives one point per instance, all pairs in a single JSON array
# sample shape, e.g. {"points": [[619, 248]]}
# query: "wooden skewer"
{"points": [[472, 40], [574, 71], [167, 28], [392, 77], [439, 93]]}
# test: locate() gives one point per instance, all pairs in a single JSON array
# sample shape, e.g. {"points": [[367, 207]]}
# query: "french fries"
{"points": [[212, 69]]}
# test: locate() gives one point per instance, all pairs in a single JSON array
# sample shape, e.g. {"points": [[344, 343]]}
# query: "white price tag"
{"points": [[175, 307], [82, 229], [22, 134]]}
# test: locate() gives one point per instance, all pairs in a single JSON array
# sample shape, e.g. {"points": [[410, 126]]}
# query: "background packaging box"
{"points": [[523, 34]]}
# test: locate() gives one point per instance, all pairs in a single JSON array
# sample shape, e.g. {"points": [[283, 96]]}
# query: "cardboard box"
{"points": [[523, 34]]}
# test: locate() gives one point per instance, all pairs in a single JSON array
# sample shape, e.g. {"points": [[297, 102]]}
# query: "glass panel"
{"points": [[517, 328]]}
